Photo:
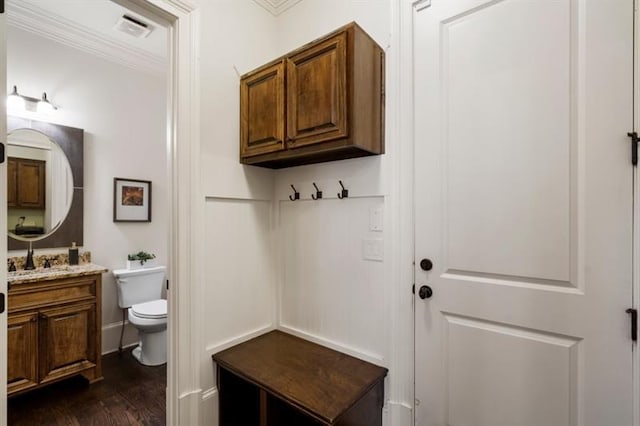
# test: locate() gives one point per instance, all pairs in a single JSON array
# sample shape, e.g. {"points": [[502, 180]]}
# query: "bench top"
{"points": [[320, 381]]}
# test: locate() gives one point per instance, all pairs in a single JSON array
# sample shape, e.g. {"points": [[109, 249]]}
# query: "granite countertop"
{"points": [[54, 273]]}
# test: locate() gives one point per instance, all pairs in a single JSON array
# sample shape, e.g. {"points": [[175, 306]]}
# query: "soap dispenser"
{"points": [[73, 254]]}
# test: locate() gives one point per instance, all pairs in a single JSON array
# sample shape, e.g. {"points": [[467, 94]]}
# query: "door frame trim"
{"points": [[636, 210], [3, 217], [186, 206]]}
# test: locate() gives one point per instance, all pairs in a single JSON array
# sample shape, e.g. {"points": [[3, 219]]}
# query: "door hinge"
{"points": [[1, 303], [1, 7], [633, 313], [413, 289], [2, 158], [634, 147]]}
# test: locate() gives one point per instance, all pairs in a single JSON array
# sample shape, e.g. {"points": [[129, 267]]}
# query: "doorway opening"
{"points": [[161, 14]]}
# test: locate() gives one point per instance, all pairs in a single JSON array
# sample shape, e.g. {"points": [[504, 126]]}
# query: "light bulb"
{"points": [[15, 101], [44, 106]]}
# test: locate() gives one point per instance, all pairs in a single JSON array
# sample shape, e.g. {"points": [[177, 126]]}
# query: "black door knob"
{"points": [[426, 265], [425, 292]]}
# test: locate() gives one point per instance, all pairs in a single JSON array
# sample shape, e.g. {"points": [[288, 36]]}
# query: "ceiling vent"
{"points": [[133, 27]]}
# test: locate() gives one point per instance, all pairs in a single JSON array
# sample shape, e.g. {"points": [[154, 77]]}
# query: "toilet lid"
{"points": [[153, 309]]}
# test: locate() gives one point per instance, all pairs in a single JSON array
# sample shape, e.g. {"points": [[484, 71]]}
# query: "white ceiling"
{"points": [[88, 25]]}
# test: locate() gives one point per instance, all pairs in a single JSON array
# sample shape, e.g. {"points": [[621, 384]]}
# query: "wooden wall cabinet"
{"points": [[322, 102], [278, 379], [54, 331], [26, 183]]}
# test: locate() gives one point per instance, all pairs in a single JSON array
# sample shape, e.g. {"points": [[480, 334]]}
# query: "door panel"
{"points": [[491, 198], [523, 203]]}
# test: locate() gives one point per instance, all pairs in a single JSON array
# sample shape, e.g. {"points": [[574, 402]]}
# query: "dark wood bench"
{"points": [[279, 379]]}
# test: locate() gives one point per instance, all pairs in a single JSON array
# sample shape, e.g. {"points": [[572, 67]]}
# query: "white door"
{"points": [[3, 211], [523, 187]]}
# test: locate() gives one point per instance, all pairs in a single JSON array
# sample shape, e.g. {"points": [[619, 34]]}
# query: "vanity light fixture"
{"points": [[17, 101]]}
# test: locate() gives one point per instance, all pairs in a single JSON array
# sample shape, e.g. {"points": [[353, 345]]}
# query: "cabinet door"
{"points": [[12, 182], [317, 93], [22, 352], [262, 111], [31, 184], [67, 340]]}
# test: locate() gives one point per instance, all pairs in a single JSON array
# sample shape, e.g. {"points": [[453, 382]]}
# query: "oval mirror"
{"points": [[39, 185]]}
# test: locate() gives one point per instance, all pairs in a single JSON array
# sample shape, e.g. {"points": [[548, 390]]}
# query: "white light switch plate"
{"points": [[373, 249], [376, 219]]}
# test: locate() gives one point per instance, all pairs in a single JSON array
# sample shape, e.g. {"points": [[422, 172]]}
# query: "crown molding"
{"points": [[37, 21], [186, 6], [276, 7]]}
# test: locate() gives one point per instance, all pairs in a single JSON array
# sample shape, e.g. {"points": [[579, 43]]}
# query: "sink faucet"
{"points": [[29, 263]]}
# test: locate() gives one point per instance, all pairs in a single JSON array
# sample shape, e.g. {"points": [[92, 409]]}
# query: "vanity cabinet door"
{"points": [[26, 183], [22, 352], [67, 340], [31, 184], [12, 182]]}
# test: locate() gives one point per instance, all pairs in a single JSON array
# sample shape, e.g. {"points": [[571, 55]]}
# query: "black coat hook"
{"points": [[318, 194], [344, 193], [296, 194]]}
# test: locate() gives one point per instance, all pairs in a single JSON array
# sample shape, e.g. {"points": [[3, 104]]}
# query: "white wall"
{"points": [[123, 114], [359, 306], [238, 297]]}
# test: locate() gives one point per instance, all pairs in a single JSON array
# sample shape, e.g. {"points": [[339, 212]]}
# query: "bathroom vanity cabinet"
{"points": [[322, 102], [54, 327], [279, 379], [25, 183]]}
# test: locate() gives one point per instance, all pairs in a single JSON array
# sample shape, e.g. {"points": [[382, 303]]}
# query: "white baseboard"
{"points": [[366, 356], [220, 346], [111, 336], [209, 407], [400, 414], [189, 408]]}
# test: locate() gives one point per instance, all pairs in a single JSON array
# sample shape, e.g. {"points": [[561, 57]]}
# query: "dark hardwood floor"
{"points": [[130, 394]]}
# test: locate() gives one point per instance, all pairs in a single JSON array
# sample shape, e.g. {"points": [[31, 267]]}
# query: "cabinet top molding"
{"points": [[306, 46]]}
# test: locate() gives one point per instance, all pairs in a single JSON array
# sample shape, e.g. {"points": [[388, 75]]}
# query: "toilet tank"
{"points": [[139, 285]]}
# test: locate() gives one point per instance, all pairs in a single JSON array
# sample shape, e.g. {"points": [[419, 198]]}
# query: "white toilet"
{"points": [[140, 290]]}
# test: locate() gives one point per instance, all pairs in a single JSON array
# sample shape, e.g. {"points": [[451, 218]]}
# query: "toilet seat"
{"points": [[154, 309]]}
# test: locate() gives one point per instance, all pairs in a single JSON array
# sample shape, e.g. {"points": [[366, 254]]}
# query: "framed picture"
{"points": [[131, 200]]}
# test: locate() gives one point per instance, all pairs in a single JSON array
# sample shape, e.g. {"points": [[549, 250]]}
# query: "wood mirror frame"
{"points": [[71, 141]]}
